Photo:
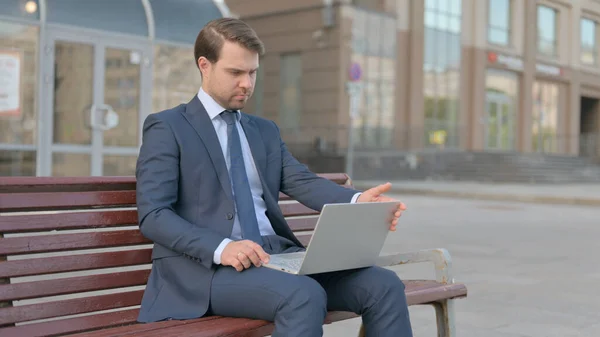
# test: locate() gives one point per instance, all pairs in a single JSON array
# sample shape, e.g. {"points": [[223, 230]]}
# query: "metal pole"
{"points": [[350, 154], [354, 90]]}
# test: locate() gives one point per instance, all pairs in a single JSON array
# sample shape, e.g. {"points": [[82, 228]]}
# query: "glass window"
{"points": [[18, 83], [23, 9], [290, 101], [544, 117], [502, 90], [589, 49], [376, 117], [17, 163], [499, 22], [176, 77], [173, 18], [547, 22], [121, 16], [441, 78]]}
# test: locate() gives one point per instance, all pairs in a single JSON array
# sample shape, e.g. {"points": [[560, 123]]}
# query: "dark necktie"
{"points": [[239, 179]]}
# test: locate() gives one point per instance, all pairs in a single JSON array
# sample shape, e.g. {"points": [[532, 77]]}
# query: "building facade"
{"points": [[78, 78], [476, 75]]}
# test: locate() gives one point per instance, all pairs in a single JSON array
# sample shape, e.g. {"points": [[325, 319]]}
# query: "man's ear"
{"points": [[204, 65]]}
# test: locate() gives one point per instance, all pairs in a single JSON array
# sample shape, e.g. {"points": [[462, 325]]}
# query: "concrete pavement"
{"points": [[572, 194], [531, 269]]}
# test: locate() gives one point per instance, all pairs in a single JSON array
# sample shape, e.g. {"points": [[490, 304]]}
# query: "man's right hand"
{"points": [[243, 254]]}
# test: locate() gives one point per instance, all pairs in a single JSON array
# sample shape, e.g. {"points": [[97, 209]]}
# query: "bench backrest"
{"points": [[72, 257]]}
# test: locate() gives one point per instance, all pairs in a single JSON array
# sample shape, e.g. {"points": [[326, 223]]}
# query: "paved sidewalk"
{"points": [[573, 194]]}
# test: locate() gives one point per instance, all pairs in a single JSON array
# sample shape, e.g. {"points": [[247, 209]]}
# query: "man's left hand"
{"points": [[375, 194]]}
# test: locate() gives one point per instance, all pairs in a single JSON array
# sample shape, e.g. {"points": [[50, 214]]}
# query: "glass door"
{"points": [[97, 93], [499, 122]]}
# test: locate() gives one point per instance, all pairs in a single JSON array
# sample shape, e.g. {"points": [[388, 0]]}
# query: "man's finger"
{"points": [[237, 265], [244, 260], [262, 255], [253, 256], [382, 188]]}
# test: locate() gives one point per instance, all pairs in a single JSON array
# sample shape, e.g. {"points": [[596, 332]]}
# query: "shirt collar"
{"points": [[213, 108]]}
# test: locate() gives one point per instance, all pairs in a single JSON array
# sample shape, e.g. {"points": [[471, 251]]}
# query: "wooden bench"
{"points": [[72, 261]]}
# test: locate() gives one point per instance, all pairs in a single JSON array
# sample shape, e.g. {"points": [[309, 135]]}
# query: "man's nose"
{"points": [[246, 82]]}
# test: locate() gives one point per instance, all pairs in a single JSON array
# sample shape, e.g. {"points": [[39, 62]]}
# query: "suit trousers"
{"points": [[298, 304]]}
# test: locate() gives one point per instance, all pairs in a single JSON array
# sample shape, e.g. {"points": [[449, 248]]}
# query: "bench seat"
{"points": [[73, 262]]}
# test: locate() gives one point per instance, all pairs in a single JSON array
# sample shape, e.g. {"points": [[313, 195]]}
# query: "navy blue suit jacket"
{"points": [[186, 207]]}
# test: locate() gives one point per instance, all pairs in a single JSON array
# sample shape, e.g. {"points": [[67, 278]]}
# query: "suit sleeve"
{"points": [[157, 175], [308, 188]]}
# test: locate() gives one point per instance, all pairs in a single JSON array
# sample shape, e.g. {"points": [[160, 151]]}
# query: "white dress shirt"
{"points": [[214, 110]]}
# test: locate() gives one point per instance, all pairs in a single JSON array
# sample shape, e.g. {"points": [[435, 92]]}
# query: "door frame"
{"points": [[500, 100], [100, 41]]}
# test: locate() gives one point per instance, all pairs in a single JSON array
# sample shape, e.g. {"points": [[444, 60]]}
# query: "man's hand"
{"points": [[243, 254], [375, 194]]}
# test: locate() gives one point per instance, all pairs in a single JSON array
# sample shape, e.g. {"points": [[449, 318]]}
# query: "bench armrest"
{"points": [[440, 257]]}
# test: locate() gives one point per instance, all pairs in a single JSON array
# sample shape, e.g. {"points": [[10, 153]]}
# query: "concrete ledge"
{"points": [[554, 197]]}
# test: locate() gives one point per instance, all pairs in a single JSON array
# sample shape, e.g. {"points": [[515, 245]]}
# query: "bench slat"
{"points": [[422, 292], [138, 329], [302, 224], [62, 242], [18, 202], [30, 312], [304, 239], [59, 264], [72, 285], [73, 325], [66, 184], [64, 221], [296, 209]]}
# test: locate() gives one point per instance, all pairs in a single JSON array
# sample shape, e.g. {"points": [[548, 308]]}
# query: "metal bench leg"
{"points": [[444, 312]]}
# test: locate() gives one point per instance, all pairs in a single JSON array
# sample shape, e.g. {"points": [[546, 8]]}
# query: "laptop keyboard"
{"points": [[291, 261]]}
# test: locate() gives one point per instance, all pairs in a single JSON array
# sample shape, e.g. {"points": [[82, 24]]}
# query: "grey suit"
{"points": [[185, 206]]}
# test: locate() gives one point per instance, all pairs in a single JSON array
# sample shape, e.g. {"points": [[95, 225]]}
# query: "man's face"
{"points": [[230, 81]]}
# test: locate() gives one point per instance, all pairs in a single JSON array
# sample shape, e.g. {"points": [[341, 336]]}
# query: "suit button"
{"points": [[229, 216]]}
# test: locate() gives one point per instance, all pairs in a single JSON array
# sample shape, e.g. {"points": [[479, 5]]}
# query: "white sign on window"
{"points": [[10, 83]]}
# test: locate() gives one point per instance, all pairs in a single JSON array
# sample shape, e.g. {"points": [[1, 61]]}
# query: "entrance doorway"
{"points": [[96, 97], [589, 127], [499, 114]]}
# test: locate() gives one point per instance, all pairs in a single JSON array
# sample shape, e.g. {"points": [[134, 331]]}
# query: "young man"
{"points": [[208, 179]]}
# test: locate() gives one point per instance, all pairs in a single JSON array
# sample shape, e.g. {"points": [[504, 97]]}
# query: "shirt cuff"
{"points": [[355, 197], [219, 251]]}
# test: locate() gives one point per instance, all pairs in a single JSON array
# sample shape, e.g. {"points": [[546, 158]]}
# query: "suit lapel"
{"points": [[197, 116], [257, 145]]}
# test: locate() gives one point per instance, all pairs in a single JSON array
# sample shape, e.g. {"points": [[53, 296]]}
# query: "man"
{"points": [[208, 180]]}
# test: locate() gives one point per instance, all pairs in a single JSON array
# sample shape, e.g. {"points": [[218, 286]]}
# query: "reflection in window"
{"points": [[18, 98], [589, 49], [290, 83], [502, 90], [441, 68], [176, 77], [17, 163], [127, 17], [547, 22], [122, 93], [499, 21], [374, 46], [544, 117], [23, 9]]}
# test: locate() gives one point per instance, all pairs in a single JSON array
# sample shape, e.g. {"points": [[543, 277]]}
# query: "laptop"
{"points": [[347, 236]]}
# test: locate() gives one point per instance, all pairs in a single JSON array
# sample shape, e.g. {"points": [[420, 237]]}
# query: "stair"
{"points": [[478, 166]]}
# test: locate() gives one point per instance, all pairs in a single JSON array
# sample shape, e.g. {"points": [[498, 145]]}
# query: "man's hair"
{"points": [[211, 38]]}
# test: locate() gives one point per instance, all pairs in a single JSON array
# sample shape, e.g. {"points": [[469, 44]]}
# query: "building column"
{"points": [[573, 113], [529, 60], [473, 67], [402, 126], [415, 118]]}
